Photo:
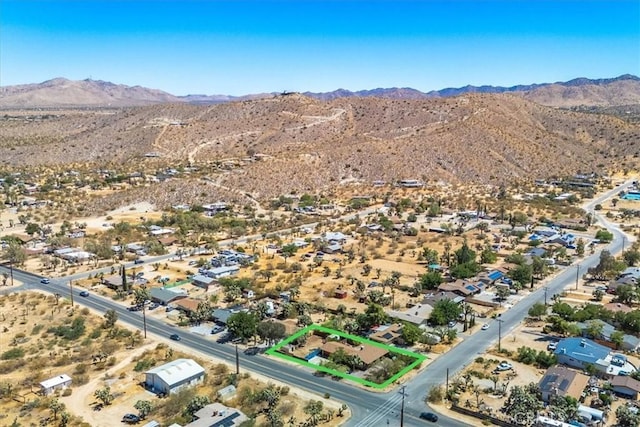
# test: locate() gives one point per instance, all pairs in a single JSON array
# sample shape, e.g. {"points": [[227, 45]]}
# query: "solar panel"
{"points": [[228, 421]]}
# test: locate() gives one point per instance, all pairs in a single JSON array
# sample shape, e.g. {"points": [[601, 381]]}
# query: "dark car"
{"points": [[84, 293], [138, 261], [45, 281], [175, 337], [130, 419], [429, 416]]}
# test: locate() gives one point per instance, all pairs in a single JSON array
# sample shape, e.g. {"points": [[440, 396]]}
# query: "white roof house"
{"points": [[173, 376], [60, 382]]}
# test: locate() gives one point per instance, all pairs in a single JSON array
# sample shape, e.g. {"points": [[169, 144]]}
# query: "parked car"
{"points": [[485, 327], [504, 366], [429, 416], [84, 293], [45, 281], [452, 324], [174, 337], [217, 329], [130, 419], [552, 346]]}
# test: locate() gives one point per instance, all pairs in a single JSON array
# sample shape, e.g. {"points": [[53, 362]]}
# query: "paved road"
{"points": [[368, 408]]}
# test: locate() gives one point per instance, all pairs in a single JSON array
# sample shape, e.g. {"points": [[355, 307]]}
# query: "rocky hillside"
{"points": [[61, 92], [296, 143]]}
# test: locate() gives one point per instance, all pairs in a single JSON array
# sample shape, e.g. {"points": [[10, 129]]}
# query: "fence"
{"points": [[482, 416]]}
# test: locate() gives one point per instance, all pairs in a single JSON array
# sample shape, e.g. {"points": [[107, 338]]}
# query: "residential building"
{"points": [[388, 334], [59, 382], [625, 386], [367, 353], [217, 415], [561, 381], [174, 376], [165, 296]]}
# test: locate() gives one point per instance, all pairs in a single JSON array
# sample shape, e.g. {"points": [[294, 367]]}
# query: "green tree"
{"points": [[411, 333], [110, 318], [104, 395], [55, 406], [144, 408], [15, 253], [430, 280], [194, 405], [313, 408], [521, 274], [523, 403], [604, 236], [444, 311], [271, 331], [242, 325], [538, 310], [626, 418]]}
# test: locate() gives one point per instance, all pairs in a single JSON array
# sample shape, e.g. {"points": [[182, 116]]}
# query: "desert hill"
{"points": [[297, 143], [60, 92], [620, 91]]}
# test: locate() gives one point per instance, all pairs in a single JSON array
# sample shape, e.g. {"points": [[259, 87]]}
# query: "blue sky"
{"points": [[238, 47]]}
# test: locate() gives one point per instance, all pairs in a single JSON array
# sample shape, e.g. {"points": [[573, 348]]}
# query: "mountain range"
{"points": [[61, 92]]}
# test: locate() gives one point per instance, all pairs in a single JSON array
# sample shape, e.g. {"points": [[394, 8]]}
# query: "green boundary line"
{"points": [[275, 351]]}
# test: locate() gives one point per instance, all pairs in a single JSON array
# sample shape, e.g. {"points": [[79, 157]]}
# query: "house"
{"points": [[491, 277], [221, 315], [579, 352], [333, 248], [629, 342], [113, 282], [367, 353], [188, 305], [248, 294], [625, 386], [217, 415], [165, 296], [59, 382], [539, 252], [388, 334], [336, 237], [202, 281], [462, 288], [562, 381], [174, 376], [418, 314], [223, 271]]}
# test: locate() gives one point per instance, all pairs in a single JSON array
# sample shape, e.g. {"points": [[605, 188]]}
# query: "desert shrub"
{"points": [[144, 365], [14, 353]]}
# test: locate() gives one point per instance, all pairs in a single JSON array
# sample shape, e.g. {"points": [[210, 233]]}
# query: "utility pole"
{"points": [[545, 296], [577, 275], [447, 385], [499, 332], [144, 319], [237, 361], [11, 270], [71, 291], [402, 408]]}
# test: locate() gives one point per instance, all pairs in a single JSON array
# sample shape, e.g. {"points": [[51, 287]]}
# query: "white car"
{"points": [[485, 327], [504, 366]]}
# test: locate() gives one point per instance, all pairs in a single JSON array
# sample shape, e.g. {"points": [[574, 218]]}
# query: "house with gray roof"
{"points": [[165, 296]]}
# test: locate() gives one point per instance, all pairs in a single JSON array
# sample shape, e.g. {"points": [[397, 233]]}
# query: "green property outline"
{"points": [[274, 351]]}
